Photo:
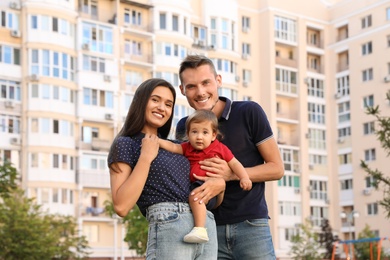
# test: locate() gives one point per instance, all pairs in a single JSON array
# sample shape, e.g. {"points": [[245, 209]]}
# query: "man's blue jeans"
{"points": [[249, 240]]}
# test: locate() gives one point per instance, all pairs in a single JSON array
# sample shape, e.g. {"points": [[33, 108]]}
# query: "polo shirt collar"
{"points": [[228, 107]]}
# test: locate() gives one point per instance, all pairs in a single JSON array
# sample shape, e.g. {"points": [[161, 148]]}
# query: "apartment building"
{"points": [[69, 69]]}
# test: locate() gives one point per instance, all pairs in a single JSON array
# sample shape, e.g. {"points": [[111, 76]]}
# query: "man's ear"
{"points": [[182, 90]]}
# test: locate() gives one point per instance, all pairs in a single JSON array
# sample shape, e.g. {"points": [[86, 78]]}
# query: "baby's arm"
{"points": [[239, 170], [170, 146]]}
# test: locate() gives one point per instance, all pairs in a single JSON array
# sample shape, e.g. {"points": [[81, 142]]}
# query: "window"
{"points": [[344, 114], [91, 63], [175, 23], [315, 88], [94, 97], [289, 233], [317, 139], [290, 159], [285, 29], [343, 132], [318, 190], [343, 86], [388, 14], [133, 78], [370, 182], [133, 47], [99, 38], [372, 209], [132, 17], [290, 181], [50, 63], [286, 81], [345, 158], [246, 23], [316, 113], [369, 155], [90, 7], [246, 75], [317, 214], [10, 90], [246, 49], [367, 74], [366, 21], [227, 92], [56, 163], [367, 48], [9, 55], [9, 20], [289, 208], [368, 101], [317, 159], [9, 124], [163, 21], [369, 128], [388, 40], [346, 184]]}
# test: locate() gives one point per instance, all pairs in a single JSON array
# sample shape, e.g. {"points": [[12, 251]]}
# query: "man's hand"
{"points": [[219, 167], [212, 186]]}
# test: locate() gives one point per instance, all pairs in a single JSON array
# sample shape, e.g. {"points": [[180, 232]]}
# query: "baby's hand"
{"points": [[246, 184]]}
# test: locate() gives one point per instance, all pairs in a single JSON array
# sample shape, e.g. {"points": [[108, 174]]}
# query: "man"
{"points": [[242, 218]]}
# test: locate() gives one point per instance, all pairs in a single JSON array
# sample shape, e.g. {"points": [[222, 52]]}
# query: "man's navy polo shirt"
{"points": [[244, 125]]}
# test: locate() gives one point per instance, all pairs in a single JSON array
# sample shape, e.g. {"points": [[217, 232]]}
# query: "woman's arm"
{"points": [[127, 183]]}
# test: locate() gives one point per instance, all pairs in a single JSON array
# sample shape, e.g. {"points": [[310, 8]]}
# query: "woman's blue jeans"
{"points": [[169, 222]]}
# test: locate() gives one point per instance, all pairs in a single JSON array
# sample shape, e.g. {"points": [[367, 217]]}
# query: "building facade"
{"points": [[69, 69]]}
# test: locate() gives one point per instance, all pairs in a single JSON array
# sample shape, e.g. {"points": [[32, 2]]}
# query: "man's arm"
{"points": [[272, 169], [170, 146]]}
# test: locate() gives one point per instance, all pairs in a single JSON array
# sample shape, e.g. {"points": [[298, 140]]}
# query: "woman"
{"points": [[156, 180]]}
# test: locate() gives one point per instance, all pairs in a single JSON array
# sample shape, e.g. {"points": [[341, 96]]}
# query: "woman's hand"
{"points": [[149, 147], [212, 186]]}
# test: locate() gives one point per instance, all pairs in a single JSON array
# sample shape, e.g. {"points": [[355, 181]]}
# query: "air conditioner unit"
{"points": [[15, 141], [341, 140], [9, 104], [34, 77], [387, 78], [15, 33], [196, 41], [307, 81], [244, 56], [311, 166], [337, 95], [107, 78], [367, 191], [85, 46], [245, 83], [109, 116], [237, 78], [307, 135], [297, 190], [202, 43], [327, 201], [245, 29], [14, 5]]}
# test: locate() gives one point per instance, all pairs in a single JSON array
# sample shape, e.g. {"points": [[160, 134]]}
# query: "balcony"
{"points": [[98, 144], [143, 61], [286, 62]]}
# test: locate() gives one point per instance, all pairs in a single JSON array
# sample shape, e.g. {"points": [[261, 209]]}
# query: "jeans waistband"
{"points": [[168, 206]]}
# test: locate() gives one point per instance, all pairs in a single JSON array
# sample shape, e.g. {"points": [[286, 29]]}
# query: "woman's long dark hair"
{"points": [[135, 119]]}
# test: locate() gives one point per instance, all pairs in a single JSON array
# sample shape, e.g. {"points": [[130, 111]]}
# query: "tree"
{"points": [[305, 245], [136, 226], [26, 232], [363, 248], [326, 238], [383, 135]]}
